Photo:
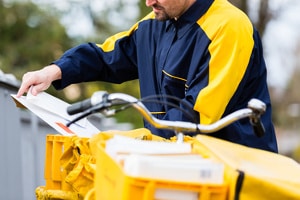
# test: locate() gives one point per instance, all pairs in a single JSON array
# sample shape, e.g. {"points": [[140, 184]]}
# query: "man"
{"points": [[205, 52]]}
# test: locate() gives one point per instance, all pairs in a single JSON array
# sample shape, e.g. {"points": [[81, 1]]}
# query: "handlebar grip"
{"points": [[79, 107], [258, 127]]}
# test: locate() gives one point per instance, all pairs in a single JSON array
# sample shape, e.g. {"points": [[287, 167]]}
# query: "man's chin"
{"points": [[160, 17]]}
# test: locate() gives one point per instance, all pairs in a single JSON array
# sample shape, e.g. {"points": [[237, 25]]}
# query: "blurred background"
{"points": [[35, 32]]}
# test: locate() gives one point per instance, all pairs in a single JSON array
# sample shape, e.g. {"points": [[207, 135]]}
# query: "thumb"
{"points": [[36, 89]]}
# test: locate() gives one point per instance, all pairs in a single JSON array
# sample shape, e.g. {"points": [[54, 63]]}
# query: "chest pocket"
{"points": [[173, 85]]}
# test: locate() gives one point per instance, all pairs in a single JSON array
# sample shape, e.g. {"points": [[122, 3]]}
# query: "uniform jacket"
{"points": [[211, 58]]}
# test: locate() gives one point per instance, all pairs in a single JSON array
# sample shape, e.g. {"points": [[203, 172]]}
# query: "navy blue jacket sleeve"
{"points": [[88, 62]]}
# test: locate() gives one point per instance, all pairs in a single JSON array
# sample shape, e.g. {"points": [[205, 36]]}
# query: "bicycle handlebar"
{"points": [[102, 101]]}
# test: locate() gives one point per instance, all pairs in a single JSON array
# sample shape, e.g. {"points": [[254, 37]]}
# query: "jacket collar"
{"points": [[190, 17]]}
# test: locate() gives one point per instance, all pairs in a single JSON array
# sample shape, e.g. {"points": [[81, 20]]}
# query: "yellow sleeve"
{"points": [[231, 35]]}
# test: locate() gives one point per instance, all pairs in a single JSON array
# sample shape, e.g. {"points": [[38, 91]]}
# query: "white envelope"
{"points": [[54, 112]]}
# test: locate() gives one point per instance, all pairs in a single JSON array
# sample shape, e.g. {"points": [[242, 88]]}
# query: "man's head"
{"points": [[169, 9]]}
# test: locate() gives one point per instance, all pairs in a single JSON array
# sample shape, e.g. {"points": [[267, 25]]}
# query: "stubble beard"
{"points": [[162, 16]]}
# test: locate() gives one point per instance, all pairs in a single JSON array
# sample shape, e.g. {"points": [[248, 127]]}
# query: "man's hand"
{"points": [[39, 80]]}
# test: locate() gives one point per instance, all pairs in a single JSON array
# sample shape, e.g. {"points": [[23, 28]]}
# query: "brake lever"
{"points": [[258, 108], [258, 127]]}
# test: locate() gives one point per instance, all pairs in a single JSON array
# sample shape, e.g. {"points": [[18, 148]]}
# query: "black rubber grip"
{"points": [[79, 107]]}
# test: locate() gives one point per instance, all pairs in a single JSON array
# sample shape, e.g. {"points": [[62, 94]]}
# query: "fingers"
{"points": [[22, 91], [36, 89], [35, 81], [39, 80], [27, 82], [33, 88]]}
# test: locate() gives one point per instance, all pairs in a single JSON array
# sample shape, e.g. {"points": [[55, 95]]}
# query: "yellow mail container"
{"points": [[112, 183], [53, 173]]}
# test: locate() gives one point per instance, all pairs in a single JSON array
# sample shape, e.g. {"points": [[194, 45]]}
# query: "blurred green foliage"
{"points": [[31, 37]]}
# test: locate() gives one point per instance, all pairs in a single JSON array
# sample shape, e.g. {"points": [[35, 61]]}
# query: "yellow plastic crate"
{"points": [[62, 156], [53, 172], [112, 183]]}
